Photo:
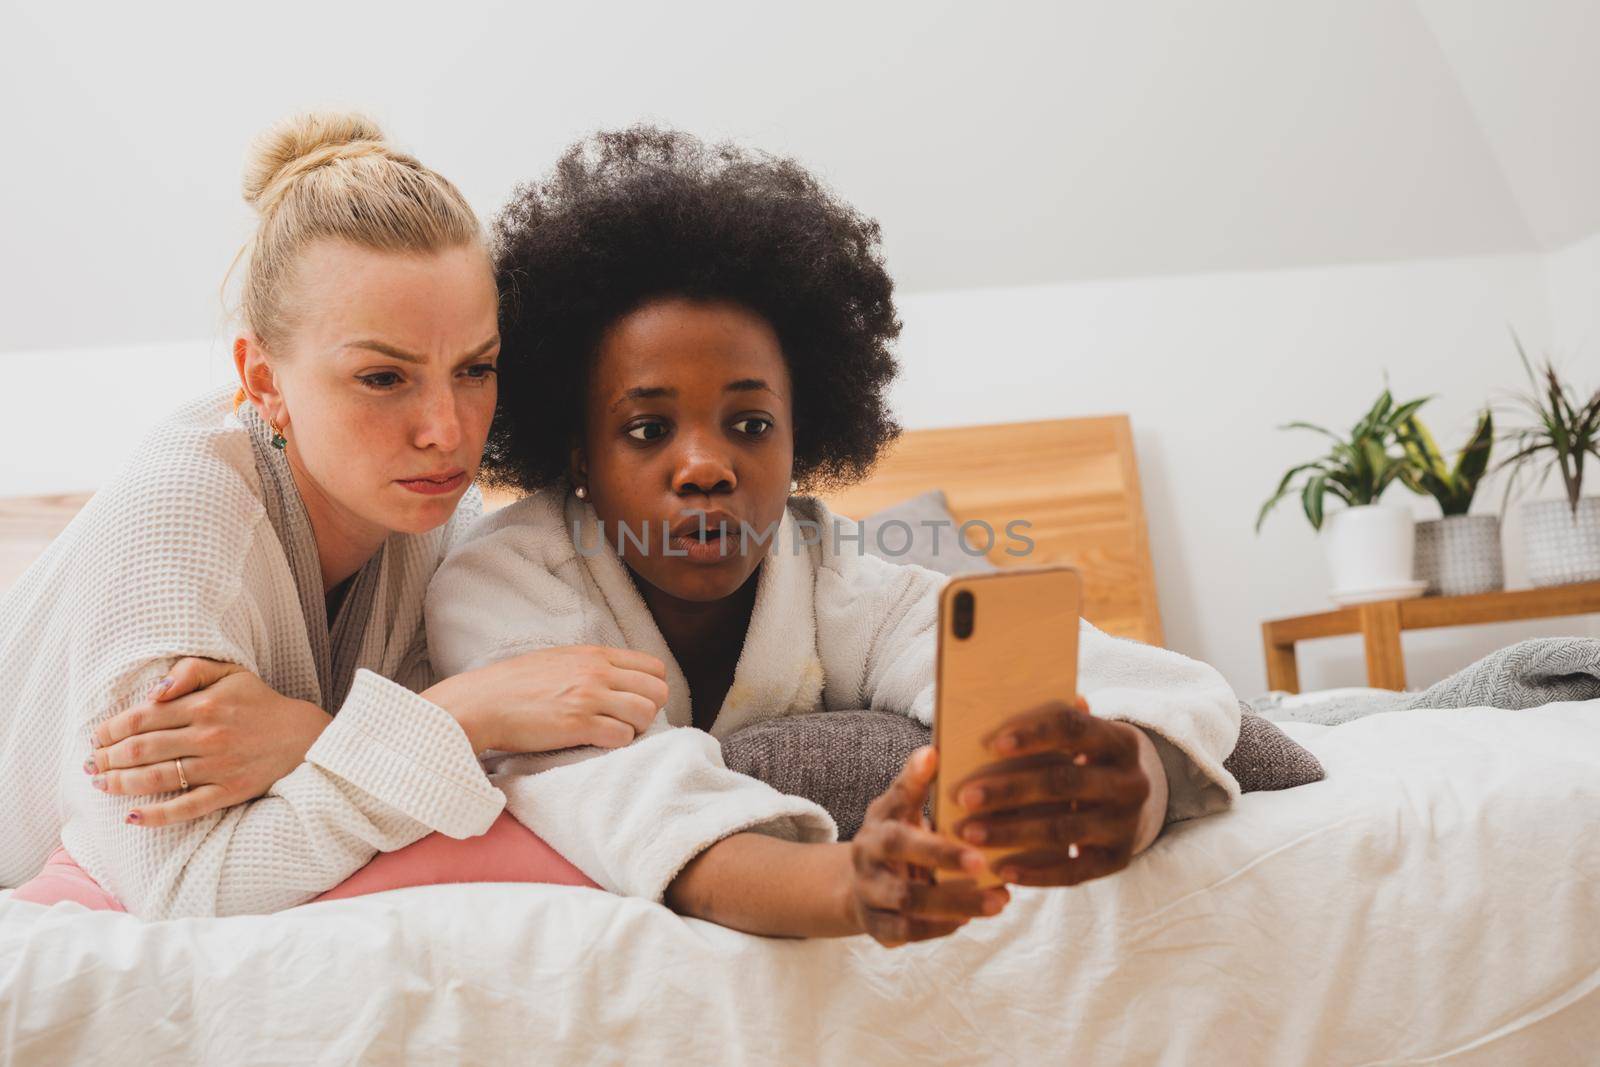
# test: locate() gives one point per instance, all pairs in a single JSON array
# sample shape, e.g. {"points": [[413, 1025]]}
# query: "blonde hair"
{"points": [[332, 175]]}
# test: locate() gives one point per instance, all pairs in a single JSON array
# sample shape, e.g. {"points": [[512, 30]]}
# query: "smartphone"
{"points": [[1008, 642]]}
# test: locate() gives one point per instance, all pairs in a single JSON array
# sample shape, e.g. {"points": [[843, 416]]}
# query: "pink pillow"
{"points": [[62, 879], [507, 852]]}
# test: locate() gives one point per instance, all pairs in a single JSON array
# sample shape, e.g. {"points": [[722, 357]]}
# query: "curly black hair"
{"points": [[643, 213]]}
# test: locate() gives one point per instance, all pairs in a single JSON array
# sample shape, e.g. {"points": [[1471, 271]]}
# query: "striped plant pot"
{"points": [[1460, 554], [1562, 547]]}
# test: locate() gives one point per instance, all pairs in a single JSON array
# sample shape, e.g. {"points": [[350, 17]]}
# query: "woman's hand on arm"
{"points": [[880, 884], [556, 698], [1073, 797], [235, 734]]}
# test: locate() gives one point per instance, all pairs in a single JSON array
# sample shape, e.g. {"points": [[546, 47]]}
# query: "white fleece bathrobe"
{"points": [[831, 629], [200, 547]]}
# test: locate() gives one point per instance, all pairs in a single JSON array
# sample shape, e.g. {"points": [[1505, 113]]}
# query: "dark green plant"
{"points": [[1563, 428], [1357, 469], [1427, 473]]}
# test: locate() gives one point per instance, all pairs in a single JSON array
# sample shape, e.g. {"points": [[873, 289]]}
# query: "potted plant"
{"points": [[1459, 553], [1563, 536], [1369, 548]]}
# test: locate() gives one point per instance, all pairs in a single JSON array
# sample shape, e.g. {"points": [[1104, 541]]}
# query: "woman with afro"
{"points": [[691, 334]]}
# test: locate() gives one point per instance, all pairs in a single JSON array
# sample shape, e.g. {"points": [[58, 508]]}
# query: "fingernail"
{"points": [[160, 688], [1080, 760], [1072, 851], [89, 766], [972, 861], [972, 796], [99, 781], [1008, 743], [134, 816], [976, 834]]}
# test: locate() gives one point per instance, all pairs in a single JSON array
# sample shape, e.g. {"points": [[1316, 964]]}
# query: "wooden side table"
{"points": [[1380, 624]]}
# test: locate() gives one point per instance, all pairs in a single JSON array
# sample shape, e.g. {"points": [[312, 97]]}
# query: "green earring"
{"points": [[278, 440]]}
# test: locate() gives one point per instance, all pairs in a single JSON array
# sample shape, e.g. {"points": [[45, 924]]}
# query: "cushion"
{"points": [[1266, 758], [506, 852], [922, 531], [843, 759]]}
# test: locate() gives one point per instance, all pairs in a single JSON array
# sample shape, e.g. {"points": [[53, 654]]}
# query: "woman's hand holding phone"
{"points": [[1069, 796], [892, 894]]}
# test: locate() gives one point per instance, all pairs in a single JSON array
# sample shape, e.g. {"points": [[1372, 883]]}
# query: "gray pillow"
{"points": [[1265, 758], [922, 531], [841, 760]]}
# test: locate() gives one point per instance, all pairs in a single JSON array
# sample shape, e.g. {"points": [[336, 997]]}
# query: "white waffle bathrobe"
{"points": [[831, 629], [179, 556]]}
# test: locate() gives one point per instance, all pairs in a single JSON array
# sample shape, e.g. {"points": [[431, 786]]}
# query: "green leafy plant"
{"points": [[1565, 431], [1427, 474], [1357, 469]]}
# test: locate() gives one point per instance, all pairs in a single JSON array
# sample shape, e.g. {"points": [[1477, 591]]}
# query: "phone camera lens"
{"points": [[961, 620]]}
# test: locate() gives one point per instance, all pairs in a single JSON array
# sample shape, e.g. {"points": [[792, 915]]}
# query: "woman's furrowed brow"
{"points": [[411, 357]]}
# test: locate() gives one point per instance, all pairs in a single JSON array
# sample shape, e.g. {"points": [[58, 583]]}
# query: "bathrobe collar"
{"points": [[778, 671], [349, 642]]}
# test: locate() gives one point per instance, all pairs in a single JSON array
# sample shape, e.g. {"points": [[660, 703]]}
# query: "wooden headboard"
{"points": [[1074, 480]]}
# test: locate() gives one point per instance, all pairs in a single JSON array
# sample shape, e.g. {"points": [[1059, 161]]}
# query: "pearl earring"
{"points": [[582, 492]]}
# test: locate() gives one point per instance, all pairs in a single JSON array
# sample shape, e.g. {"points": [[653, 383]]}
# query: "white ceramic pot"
{"points": [[1562, 547], [1370, 551], [1460, 554]]}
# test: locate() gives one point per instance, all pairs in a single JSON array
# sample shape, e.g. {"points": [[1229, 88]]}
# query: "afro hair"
{"points": [[631, 216]]}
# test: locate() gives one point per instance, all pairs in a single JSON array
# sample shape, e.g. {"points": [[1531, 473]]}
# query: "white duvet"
{"points": [[1436, 899]]}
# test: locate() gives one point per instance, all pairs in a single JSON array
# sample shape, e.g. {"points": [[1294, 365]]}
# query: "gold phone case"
{"points": [[1021, 651]]}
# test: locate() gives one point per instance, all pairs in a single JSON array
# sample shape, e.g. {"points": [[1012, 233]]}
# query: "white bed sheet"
{"points": [[1437, 899]]}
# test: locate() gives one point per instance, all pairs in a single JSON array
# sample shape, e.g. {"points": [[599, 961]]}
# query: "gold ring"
{"points": [[182, 781]]}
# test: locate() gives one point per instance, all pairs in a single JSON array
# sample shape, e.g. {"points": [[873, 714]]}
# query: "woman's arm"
{"points": [[388, 770], [631, 817], [879, 884], [236, 735], [148, 574]]}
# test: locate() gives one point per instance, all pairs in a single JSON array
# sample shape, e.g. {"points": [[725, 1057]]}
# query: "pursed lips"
{"points": [[706, 524]]}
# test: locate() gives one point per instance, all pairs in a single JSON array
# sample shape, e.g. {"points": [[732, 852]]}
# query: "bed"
{"points": [[1435, 899]]}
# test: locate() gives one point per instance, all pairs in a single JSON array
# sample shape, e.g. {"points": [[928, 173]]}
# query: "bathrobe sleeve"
{"points": [[630, 818], [389, 769], [877, 630]]}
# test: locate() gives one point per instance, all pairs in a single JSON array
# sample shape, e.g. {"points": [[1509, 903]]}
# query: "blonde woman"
{"points": [[286, 535]]}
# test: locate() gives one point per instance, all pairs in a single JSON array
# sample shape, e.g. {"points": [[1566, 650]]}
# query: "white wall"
{"points": [[1002, 143], [1573, 277]]}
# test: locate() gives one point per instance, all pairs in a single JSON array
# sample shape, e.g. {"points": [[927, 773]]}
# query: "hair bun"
{"points": [[309, 139]]}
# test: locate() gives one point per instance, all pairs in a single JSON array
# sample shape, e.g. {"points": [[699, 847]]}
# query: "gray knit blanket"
{"points": [[1525, 675]]}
